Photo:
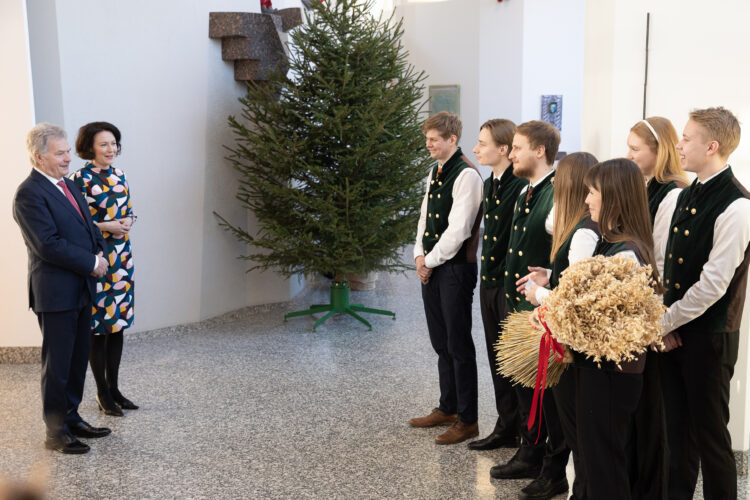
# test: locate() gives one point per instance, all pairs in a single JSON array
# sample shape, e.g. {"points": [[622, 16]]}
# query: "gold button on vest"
{"points": [[496, 217], [520, 252], [492, 259], [494, 238], [677, 286], [527, 210], [679, 261], [687, 232], [517, 276], [693, 211]]}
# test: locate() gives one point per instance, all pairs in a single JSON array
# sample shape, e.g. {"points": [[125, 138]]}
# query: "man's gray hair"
{"points": [[37, 140]]}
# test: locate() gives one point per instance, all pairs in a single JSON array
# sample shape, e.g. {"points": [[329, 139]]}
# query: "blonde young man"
{"points": [[501, 189], [445, 253], [705, 277]]}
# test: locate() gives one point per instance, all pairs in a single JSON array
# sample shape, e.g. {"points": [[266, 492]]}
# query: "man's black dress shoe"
{"points": [[515, 469], [84, 430], [65, 443], [543, 488], [494, 441], [108, 406]]}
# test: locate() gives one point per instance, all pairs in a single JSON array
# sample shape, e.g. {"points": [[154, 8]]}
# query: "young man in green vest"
{"points": [[535, 145], [445, 253], [501, 189], [705, 277]]}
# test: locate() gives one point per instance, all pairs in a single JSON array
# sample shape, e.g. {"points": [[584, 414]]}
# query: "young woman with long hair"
{"points": [[620, 420], [574, 237], [652, 146]]}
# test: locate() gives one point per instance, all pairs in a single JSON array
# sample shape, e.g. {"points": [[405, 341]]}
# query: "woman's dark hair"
{"points": [[86, 134], [624, 212]]}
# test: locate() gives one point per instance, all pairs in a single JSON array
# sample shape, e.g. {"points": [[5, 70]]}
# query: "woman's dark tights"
{"points": [[105, 355]]}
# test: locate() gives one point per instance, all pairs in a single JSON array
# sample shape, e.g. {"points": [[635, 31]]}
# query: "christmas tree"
{"points": [[331, 157]]}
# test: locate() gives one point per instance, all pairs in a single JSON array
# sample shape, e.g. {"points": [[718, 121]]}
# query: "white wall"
{"points": [[150, 68], [504, 56], [696, 59], [553, 36], [442, 39], [18, 326]]}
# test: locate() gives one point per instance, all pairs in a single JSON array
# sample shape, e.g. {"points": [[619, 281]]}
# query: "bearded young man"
{"points": [[535, 145]]}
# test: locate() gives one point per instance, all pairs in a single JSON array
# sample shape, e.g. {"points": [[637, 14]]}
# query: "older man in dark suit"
{"points": [[65, 258]]}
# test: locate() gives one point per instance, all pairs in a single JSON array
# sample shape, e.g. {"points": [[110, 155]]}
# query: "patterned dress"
{"points": [[108, 196]]}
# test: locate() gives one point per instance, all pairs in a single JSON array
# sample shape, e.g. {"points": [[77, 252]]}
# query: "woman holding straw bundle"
{"points": [[574, 237], [608, 395], [652, 145]]}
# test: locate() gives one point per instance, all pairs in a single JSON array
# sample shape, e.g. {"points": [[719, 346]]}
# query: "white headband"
{"points": [[656, 136]]}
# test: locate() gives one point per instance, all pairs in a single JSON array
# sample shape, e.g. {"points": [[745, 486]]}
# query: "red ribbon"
{"points": [[546, 344]]}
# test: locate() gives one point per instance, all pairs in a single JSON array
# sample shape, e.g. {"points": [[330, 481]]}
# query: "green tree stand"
{"points": [[339, 304]]}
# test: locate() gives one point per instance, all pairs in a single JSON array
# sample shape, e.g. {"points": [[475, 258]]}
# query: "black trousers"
{"points": [[550, 449], [494, 306], [606, 402], [565, 400], [695, 380], [65, 356], [447, 303]]}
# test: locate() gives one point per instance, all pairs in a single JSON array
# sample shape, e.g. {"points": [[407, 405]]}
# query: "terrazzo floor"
{"points": [[247, 406]]}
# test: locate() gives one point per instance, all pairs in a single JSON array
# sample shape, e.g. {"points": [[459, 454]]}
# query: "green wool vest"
{"points": [[497, 212], [560, 263], [656, 193], [529, 243], [439, 203], [689, 244]]}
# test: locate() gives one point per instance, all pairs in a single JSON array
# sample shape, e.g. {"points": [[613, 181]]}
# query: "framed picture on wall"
{"points": [[552, 110], [444, 98]]}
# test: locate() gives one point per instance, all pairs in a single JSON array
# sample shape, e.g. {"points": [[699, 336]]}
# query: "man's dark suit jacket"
{"points": [[60, 243]]}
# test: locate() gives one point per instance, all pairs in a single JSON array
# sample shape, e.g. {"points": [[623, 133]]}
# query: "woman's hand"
{"points": [[538, 275], [529, 290], [126, 224], [112, 227]]}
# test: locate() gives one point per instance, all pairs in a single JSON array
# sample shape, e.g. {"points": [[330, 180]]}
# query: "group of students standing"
{"points": [[637, 430]]}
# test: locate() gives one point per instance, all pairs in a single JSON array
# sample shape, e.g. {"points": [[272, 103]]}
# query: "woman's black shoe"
{"points": [[108, 406], [124, 402]]}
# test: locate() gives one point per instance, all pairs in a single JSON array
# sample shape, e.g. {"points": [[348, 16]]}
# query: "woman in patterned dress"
{"points": [[108, 195]]}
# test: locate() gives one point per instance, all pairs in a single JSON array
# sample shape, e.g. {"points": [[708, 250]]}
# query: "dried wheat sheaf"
{"points": [[518, 352], [606, 308]]}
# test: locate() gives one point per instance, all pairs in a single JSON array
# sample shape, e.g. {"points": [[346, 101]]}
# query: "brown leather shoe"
{"points": [[458, 432], [437, 417]]}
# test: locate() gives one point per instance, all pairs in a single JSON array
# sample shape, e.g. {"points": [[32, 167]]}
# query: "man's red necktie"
{"points": [[528, 193], [69, 196]]}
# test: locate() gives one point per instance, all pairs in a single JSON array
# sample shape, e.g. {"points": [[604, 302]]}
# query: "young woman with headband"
{"points": [[652, 146]]}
